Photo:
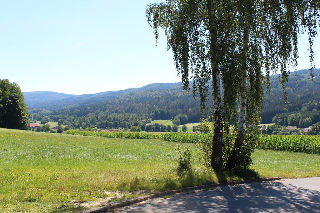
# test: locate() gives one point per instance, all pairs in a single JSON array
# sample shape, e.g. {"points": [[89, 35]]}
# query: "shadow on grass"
{"points": [[247, 174], [68, 209], [237, 175], [195, 179]]}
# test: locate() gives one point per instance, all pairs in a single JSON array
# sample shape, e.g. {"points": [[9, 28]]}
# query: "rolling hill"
{"points": [[165, 101]]}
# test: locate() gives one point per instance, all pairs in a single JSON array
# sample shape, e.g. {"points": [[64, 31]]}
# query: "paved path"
{"points": [[290, 195]]}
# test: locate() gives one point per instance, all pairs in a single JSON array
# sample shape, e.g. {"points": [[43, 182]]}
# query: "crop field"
{"points": [[43, 172], [293, 143]]}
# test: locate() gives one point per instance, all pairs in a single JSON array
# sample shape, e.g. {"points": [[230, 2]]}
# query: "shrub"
{"points": [[184, 162], [135, 129]]}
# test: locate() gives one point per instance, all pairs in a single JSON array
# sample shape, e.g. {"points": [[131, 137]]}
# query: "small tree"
{"points": [[176, 120], [175, 128], [13, 110], [194, 128], [135, 129], [184, 128], [60, 129]]}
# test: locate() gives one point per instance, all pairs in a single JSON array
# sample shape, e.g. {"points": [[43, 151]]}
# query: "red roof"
{"points": [[291, 127], [34, 125]]}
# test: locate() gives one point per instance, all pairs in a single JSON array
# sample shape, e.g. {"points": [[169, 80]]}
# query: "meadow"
{"points": [[42, 172], [169, 122]]}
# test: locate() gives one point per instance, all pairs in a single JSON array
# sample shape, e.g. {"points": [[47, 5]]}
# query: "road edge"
{"points": [[121, 204]]}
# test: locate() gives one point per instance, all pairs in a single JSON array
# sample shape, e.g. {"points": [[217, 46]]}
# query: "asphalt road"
{"points": [[288, 195]]}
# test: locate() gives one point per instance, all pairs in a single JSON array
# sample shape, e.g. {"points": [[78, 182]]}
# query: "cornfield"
{"points": [[172, 137], [293, 143]]}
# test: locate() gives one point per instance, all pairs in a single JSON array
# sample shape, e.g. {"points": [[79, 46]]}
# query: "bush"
{"points": [[184, 162], [135, 129]]}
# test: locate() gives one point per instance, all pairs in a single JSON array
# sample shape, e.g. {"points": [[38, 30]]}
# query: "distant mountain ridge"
{"points": [[54, 100], [166, 100], [40, 98]]}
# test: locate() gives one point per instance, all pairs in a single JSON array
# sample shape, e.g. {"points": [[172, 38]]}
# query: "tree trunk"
{"points": [[217, 141], [234, 158]]}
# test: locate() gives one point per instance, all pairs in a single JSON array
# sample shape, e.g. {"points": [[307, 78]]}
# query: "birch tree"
{"points": [[233, 43], [270, 31], [199, 36]]}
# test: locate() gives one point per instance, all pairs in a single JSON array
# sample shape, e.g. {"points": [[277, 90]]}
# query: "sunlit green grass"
{"points": [[169, 122], [286, 164], [53, 124], [42, 172], [39, 168], [163, 122], [189, 127]]}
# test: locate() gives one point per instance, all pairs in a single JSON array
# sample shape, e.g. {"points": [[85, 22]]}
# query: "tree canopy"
{"points": [[13, 110], [234, 45]]}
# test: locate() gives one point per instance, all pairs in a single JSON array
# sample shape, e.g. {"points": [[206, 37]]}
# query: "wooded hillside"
{"points": [[165, 101], [303, 102]]}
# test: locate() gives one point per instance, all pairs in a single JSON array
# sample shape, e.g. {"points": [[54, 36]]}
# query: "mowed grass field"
{"points": [[42, 172]]}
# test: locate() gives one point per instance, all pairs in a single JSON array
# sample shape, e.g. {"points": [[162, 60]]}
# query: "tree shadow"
{"points": [[68, 209], [265, 196], [233, 175]]}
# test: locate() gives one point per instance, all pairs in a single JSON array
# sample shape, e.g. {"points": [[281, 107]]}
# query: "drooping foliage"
{"points": [[234, 42], [186, 25], [13, 110]]}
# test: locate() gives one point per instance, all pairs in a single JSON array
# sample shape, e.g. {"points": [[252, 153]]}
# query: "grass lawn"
{"points": [[163, 122], [52, 124], [271, 124], [169, 122], [283, 164], [189, 127], [42, 172]]}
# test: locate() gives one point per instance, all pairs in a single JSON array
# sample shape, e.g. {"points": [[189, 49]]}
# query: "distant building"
{"points": [[34, 126], [291, 127], [262, 127], [305, 130]]}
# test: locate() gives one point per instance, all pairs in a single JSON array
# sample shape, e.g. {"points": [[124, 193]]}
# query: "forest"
{"points": [[302, 106], [138, 107]]}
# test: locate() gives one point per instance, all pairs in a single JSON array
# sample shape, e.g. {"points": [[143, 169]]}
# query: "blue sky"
{"points": [[86, 46]]}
